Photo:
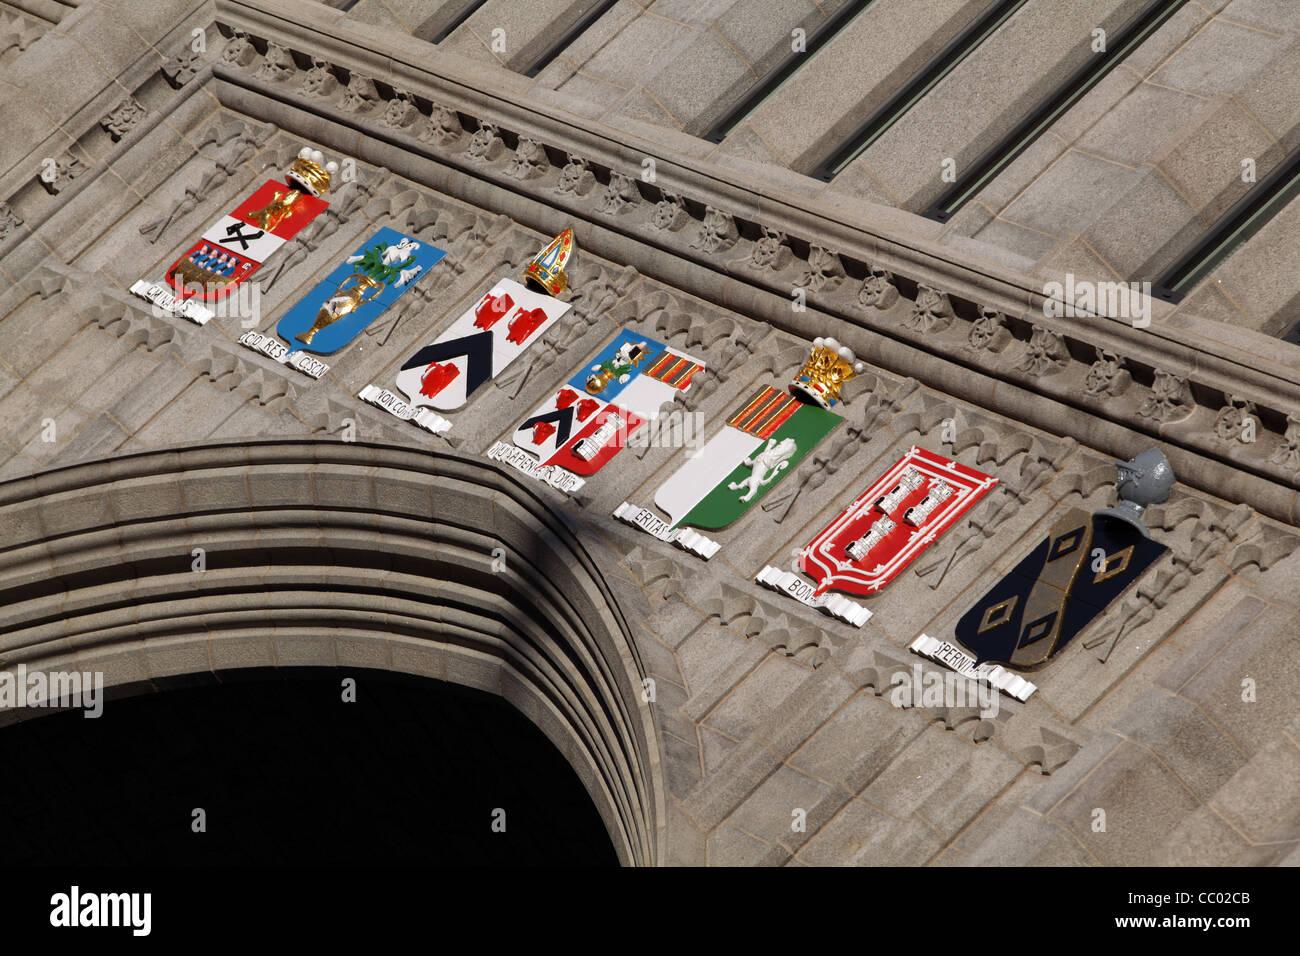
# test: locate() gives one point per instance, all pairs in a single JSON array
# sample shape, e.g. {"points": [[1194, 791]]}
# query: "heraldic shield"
{"points": [[356, 292], [1057, 590], [885, 528]]}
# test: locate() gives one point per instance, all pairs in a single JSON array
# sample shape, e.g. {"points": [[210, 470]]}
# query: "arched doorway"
{"points": [[221, 557], [296, 767]]}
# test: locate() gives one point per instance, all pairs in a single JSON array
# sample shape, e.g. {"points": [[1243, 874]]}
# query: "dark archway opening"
{"points": [[287, 773]]}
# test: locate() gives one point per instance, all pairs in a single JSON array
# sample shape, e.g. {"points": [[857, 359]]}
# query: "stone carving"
{"points": [[597, 294], [1045, 353], [122, 120], [1286, 454], [277, 66], [771, 251], [823, 270], [931, 312], [1263, 550], [347, 200], [319, 80], [485, 145], [1051, 753], [879, 290], [45, 280], [181, 68], [1107, 375], [66, 168], [421, 213], [470, 239], [1208, 540], [400, 112], [360, 96], [736, 611], [576, 177], [1236, 421], [670, 213], [413, 303], [1036, 470], [717, 231], [989, 333], [992, 442], [793, 638], [132, 325], [529, 160], [878, 675], [442, 127], [18, 33], [840, 446], [620, 195], [1170, 399], [235, 146], [9, 221], [656, 575], [239, 50], [692, 328]]}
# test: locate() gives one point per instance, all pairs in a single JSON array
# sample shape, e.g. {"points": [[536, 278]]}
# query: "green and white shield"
{"points": [[764, 440]]}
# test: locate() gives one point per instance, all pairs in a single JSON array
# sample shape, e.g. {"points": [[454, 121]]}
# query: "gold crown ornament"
{"points": [[545, 272], [309, 174], [310, 171], [829, 366]]}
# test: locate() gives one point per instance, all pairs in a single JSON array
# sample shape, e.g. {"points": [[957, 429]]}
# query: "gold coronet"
{"points": [[829, 366], [546, 270], [310, 173], [312, 176]]}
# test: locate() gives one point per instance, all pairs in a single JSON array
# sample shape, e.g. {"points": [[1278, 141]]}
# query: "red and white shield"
{"points": [[892, 522]]}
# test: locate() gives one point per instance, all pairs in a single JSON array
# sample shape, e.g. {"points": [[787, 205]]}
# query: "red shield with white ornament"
{"points": [[893, 521]]}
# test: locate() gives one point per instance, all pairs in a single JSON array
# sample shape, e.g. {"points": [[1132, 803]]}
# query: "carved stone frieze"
{"points": [[718, 231], [576, 177], [879, 289], [277, 66], [931, 312], [123, 119], [706, 226], [319, 80], [1045, 353], [1170, 400], [989, 333], [1107, 375], [823, 270]]}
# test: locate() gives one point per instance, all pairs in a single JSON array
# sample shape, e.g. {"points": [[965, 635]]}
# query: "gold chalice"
{"points": [[353, 292]]}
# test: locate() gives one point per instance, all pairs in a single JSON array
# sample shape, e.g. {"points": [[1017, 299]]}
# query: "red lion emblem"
{"points": [[525, 324], [492, 309], [437, 377]]}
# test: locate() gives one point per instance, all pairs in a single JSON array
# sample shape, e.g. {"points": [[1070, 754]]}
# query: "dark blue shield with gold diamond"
{"points": [[1057, 589]]}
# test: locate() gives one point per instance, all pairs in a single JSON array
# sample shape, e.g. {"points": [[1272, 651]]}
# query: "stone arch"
{"points": [[329, 554]]}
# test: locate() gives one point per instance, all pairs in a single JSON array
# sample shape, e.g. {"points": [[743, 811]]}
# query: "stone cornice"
{"points": [[907, 304], [415, 66], [704, 229]]}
